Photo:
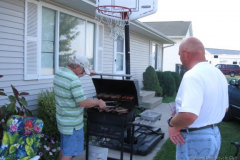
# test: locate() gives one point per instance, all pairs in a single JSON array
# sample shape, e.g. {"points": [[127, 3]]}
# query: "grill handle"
{"points": [[118, 75]]}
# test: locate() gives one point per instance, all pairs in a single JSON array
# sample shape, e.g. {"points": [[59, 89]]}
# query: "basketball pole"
{"points": [[127, 49]]}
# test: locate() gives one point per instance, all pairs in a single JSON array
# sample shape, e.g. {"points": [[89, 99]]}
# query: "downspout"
{"points": [[163, 52]]}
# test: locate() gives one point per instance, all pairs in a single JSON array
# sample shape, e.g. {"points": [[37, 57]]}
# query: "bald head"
{"points": [[191, 52]]}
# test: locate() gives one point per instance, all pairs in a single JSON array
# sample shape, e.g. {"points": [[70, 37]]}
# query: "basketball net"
{"points": [[116, 17]]}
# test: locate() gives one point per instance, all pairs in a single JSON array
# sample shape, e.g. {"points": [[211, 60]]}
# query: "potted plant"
{"points": [[17, 106]]}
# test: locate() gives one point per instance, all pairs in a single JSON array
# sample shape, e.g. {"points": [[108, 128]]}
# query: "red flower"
{"points": [[28, 124]]}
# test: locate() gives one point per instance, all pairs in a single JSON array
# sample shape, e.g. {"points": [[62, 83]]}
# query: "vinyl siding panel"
{"points": [[11, 53], [11, 18], [140, 50], [108, 52], [11, 12], [171, 57], [139, 56], [10, 36], [12, 56], [11, 24]]}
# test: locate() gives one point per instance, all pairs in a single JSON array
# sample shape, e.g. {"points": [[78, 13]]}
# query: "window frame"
{"points": [[158, 55], [57, 24], [115, 45]]}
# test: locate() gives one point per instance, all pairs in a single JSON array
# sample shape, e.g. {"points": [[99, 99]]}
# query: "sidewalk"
{"points": [[162, 108]]}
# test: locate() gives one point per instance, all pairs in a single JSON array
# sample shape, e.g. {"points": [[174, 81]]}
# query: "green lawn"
{"points": [[230, 131], [169, 99]]}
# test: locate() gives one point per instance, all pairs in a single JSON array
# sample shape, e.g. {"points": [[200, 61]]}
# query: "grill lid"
{"points": [[117, 86]]}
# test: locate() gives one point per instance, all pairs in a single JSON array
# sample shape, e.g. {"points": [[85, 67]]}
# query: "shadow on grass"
{"points": [[230, 131]]}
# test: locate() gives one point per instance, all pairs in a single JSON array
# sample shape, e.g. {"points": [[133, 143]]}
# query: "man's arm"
{"points": [[183, 119], [88, 103]]}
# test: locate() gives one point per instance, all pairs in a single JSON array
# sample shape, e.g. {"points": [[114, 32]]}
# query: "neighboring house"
{"points": [[37, 37], [177, 31], [222, 56]]}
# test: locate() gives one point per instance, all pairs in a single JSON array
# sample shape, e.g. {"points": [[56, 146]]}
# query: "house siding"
{"points": [[139, 51], [108, 51], [12, 56], [139, 56], [171, 57]]}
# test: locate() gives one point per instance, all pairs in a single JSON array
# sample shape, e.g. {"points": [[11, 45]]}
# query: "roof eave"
{"points": [[148, 31]]}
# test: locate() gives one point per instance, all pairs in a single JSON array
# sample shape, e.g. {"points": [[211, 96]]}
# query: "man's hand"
{"points": [[92, 72], [101, 104], [175, 135]]}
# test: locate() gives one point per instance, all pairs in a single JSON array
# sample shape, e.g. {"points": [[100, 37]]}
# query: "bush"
{"points": [[160, 76], [150, 81], [167, 83], [47, 112], [177, 79]]}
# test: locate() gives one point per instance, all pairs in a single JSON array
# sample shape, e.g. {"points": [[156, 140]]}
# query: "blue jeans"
{"points": [[72, 145], [201, 144]]}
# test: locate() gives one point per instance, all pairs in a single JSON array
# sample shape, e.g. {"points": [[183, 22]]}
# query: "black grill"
{"points": [[113, 124]]}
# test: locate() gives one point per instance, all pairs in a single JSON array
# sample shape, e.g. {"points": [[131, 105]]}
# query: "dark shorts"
{"points": [[72, 145]]}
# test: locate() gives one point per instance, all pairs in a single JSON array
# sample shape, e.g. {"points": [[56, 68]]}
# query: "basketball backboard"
{"points": [[139, 8]]}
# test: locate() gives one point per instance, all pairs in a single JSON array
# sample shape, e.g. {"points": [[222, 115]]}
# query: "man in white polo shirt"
{"points": [[201, 103]]}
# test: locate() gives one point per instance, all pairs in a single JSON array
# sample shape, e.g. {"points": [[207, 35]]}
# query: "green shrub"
{"points": [[168, 83], [47, 112], [150, 81], [177, 79], [160, 76]]}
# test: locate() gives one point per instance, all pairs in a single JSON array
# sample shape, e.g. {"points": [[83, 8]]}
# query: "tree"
{"points": [[68, 31]]}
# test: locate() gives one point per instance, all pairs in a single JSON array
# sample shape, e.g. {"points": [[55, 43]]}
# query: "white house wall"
{"points": [[139, 56], [12, 55], [108, 52], [223, 59], [170, 56]]}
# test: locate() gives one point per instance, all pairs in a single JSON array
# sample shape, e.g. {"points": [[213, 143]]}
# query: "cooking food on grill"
{"points": [[109, 109], [116, 96], [106, 96], [121, 109], [100, 95], [100, 109], [127, 97]]}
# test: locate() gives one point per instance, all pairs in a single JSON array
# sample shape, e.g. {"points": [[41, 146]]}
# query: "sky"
{"points": [[215, 22]]}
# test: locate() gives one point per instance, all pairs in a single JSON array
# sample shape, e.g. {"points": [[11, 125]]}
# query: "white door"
{"points": [[119, 56]]}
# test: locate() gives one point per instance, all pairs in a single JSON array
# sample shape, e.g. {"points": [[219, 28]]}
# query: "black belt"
{"points": [[195, 129]]}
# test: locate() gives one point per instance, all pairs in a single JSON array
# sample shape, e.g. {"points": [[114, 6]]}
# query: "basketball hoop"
{"points": [[115, 17]]}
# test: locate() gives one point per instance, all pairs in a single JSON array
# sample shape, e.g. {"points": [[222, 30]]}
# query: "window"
{"points": [[48, 41], [215, 56], [119, 56], [53, 36], [154, 56], [218, 66], [71, 38]]}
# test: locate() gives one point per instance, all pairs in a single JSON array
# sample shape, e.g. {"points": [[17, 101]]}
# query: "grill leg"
{"points": [[87, 142], [122, 141], [132, 141]]}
